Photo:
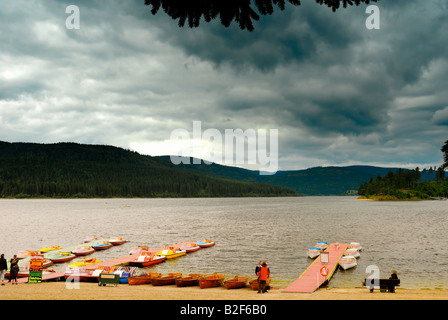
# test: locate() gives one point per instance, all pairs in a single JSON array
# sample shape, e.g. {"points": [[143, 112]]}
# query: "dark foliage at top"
{"points": [[241, 11]]}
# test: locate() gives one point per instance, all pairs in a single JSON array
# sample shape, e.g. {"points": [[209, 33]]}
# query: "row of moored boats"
{"points": [[347, 261], [202, 280]]}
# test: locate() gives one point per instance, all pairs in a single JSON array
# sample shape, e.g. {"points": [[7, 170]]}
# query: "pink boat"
{"points": [[82, 251], [191, 247]]}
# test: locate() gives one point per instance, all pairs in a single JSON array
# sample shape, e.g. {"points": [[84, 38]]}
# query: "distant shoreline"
{"points": [[388, 198]]}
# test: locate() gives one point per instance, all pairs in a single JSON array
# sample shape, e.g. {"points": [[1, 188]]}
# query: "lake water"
{"points": [[410, 237]]}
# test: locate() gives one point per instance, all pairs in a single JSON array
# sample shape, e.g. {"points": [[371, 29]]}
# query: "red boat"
{"points": [[82, 251], [190, 247], [237, 282], [170, 278], [147, 259], [211, 280], [190, 280]]}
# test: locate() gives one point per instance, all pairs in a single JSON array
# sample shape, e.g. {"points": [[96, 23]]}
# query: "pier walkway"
{"points": [[311, 279]]}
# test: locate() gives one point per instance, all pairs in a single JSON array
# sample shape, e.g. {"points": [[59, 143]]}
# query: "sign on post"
{"points": [[324, 258], [36, 268]]}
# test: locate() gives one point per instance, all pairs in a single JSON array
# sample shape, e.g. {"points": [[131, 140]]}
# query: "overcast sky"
{"points": [[338, 93]]}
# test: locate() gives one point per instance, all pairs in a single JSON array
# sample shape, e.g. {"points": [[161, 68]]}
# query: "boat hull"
{"points": [[347, 262], [205, 243], [165, 280], [62, 258], [176, 255], [187, 281], [211, 281], [132, 281], [117, 242], [83, 252], [352, 252], [237, 282], [189, 249], [148, 262], [170, 254], [347, 266], [355, 245], [312, 253], [48, 249], [101, 246]]}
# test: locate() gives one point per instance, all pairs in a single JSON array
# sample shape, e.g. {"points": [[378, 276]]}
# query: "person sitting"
{"points": [[393, 276]]}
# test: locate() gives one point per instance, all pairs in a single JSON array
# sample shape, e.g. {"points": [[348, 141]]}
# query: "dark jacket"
{"points": [[393, 276], [257, 269], [3, 265]]}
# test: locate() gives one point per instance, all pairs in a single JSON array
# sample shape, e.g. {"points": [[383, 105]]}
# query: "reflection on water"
{"points": [[407, 236]]}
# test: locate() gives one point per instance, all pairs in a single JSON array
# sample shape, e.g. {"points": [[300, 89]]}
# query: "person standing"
{"points": [[14, 269], [257, 269], [3, 267], [263, 276]]}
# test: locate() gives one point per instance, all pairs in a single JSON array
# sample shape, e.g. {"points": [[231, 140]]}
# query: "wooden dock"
{"points": [[125, 260], [311, 279], [122, 261]]}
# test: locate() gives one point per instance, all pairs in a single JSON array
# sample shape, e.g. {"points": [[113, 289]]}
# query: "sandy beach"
{"points": [[91, 291]]}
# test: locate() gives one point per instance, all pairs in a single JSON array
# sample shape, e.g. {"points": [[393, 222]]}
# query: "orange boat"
{"points": [[237, 282], [254, 283], [147, 259], [211, 280], [143, 279], [26, 253], [190, 280], [170, 278]]}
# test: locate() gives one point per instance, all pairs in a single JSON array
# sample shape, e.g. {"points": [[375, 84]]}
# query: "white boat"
{"points": [[322, 244], [347, 262], [314, 252], [355, 245], [352, 252]]}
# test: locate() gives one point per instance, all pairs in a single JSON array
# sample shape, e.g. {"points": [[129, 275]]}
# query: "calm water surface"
{"points": [[410, 237]]}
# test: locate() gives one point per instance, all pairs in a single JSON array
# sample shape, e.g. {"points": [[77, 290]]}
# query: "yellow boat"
{"points": [[84, 262], [171, 253], [51, 248]]}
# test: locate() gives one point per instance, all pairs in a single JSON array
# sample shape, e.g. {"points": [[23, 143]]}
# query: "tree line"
{"points": [[68, 170], [410, 184]]}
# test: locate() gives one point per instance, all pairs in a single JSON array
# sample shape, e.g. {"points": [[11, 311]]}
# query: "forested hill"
{"points": [[312, 181], [77, 170]]}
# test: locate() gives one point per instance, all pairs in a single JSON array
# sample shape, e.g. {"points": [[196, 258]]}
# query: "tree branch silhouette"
{"points": [[191, 11]]}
